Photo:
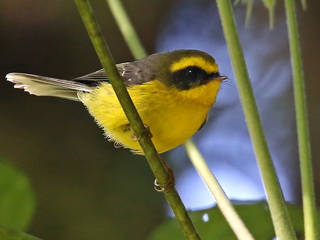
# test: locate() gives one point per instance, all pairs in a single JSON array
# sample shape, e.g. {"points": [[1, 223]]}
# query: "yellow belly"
{"points": [[172, 115]]}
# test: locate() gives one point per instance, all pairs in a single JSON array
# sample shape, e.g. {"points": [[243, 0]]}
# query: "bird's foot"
{"points": [[170, 182], [144, 133]]}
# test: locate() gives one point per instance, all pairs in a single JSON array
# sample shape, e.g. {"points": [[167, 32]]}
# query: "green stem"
{"points": [[308, 195], [304, 4], [126, 28], [223, 202], [154, 160], [278, 209]]}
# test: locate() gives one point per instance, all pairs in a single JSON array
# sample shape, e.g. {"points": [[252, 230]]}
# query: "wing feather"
{"points": [[131, 72]]}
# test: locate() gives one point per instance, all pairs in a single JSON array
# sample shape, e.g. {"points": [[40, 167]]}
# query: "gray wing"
{"points": [[130, 72]]}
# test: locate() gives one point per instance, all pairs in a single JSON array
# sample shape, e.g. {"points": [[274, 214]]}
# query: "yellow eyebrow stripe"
{"points": [[200, 62]]}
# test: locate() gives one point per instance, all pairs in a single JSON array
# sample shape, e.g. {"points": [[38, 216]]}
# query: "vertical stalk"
{"points": [[126, 28], [308, 195], [154, 160], [278, 209]]}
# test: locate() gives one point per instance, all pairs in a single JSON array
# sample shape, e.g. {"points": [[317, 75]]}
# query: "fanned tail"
{"points": [[46, 86]]}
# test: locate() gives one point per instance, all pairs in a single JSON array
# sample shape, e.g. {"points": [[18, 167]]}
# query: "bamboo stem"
{"points": [[308, 195], [279, 213], [224, 204], [154, 160]]}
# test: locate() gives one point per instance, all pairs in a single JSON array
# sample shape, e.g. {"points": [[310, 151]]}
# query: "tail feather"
{"points": [[46, 86]]}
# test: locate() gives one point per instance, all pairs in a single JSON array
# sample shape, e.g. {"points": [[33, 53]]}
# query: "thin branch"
{"points": [[154, 160], [279, 213], [223, 202]]}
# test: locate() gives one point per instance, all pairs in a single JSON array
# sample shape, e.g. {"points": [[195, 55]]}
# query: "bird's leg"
{"points": [[169, 185], [146, 132]]}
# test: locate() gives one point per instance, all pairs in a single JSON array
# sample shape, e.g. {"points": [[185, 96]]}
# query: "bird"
{"points": [[172, 91]]}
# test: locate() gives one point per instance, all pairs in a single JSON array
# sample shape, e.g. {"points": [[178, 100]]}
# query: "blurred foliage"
{"points": [[85, 187], [9, 234], [17, 200], [211, 224]]}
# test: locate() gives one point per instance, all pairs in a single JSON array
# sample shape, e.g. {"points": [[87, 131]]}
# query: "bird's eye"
{"points": [[189, 77], [191, 74]]}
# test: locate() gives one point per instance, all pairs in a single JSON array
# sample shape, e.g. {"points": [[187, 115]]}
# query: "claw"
{"points": [[117, 145], [147, 132], [157, 186], [134, 137], [169, 185]]}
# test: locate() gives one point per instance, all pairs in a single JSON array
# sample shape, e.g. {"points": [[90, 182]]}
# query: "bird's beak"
{"points": [[220, 78]]}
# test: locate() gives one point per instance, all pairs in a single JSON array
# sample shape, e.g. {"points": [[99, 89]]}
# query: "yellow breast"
{"points": [[172, 115]]}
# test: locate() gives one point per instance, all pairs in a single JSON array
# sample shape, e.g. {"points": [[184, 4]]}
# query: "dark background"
{"points": [[85, 188]]}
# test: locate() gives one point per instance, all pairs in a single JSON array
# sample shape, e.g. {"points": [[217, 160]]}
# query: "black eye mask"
{"points": [[190, 77]]}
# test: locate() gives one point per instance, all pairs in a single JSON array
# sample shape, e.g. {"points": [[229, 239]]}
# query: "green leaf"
{"points": [[9, 234], [211, 224], [17, 201]]}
